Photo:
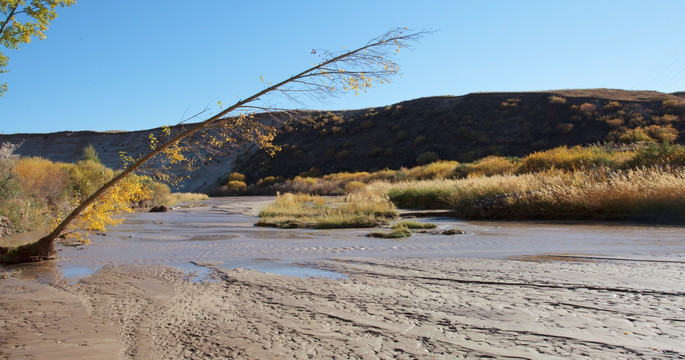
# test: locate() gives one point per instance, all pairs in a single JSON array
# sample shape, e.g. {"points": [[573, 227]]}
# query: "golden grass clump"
{"points": [[487, 166], [434, 170], [577, 157], [598, 193], [331, 184], [185, 198], [357, 210]]}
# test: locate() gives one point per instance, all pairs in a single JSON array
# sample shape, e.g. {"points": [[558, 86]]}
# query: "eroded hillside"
{"points": [[460, 128], [466, 128]]}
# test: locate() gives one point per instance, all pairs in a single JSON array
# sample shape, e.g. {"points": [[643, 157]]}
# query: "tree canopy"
{"points": [[21, 21]]}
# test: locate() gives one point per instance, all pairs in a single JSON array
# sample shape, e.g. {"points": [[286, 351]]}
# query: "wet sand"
{"points": [[600, 305], [385, 309]]}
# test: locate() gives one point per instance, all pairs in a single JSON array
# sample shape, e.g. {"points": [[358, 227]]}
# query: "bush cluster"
{"points": [[560, 158], [35, 193]]}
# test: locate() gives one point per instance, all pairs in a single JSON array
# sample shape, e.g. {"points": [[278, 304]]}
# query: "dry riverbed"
{"points": [[384, 308]]}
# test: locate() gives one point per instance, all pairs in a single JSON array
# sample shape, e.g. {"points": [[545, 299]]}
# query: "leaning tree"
{"points": [[336, 72]]}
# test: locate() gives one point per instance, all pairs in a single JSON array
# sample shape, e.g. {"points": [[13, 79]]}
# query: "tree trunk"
{"points": [[43, 249]]}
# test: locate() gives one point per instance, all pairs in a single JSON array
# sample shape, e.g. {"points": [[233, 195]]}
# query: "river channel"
{"points": [[221, 232]]}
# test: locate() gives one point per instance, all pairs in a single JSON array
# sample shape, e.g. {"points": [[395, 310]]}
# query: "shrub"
{"points": [[386, 174], [41, 178], [236, 187], [487, 166], [636, 120], [587, 109], [426, 157], [659, 154], [312, 172], [665, 119], [161, 193], [512, 103], [612, 122], [89, 154], [269, 180], [236, 176], [39, 192], [637, 134], [565, 158], [557, 100], [86, 176], [662, 133], [434, 170], [612, 105], [354, 187], [676, 105]]}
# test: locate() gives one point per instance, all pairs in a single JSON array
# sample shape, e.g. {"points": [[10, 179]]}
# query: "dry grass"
{"points": [[487, 166], [357, 210], [564, 158], [592, 182], [185, 198], [434, 170], [572, 158], [332, 184], [648, 193]]}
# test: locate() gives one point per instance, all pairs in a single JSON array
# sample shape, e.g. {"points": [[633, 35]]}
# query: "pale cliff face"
{"points": [[68, 147]]}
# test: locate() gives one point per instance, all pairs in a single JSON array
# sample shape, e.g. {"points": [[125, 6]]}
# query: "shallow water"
{"points": [[222, 233]]}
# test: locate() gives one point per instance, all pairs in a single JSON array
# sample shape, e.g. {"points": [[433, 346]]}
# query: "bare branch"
{"points": [[352, 70]]}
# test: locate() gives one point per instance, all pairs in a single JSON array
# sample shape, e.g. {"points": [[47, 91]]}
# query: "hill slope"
{"points": [[460, 128], [465, 128]]}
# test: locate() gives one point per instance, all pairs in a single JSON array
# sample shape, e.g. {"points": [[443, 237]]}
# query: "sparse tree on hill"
{"points": [[335, 72]]}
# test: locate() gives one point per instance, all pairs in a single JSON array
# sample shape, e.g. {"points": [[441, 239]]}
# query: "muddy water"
{"points": [[221, 232]]}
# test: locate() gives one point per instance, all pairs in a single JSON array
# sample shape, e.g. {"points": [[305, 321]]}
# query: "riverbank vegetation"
{"points": [[36, 193], [637, 182]]}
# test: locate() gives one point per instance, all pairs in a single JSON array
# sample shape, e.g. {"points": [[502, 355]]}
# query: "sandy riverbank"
{"points": [[421, 308]]}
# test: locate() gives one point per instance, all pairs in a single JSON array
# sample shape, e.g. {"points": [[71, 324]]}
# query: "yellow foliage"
{"points": [[41, 178], [236, 187], [235, 176], [116, 201]]}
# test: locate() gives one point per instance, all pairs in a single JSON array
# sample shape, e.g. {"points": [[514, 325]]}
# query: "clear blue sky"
{"points": [[130, 65]]}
